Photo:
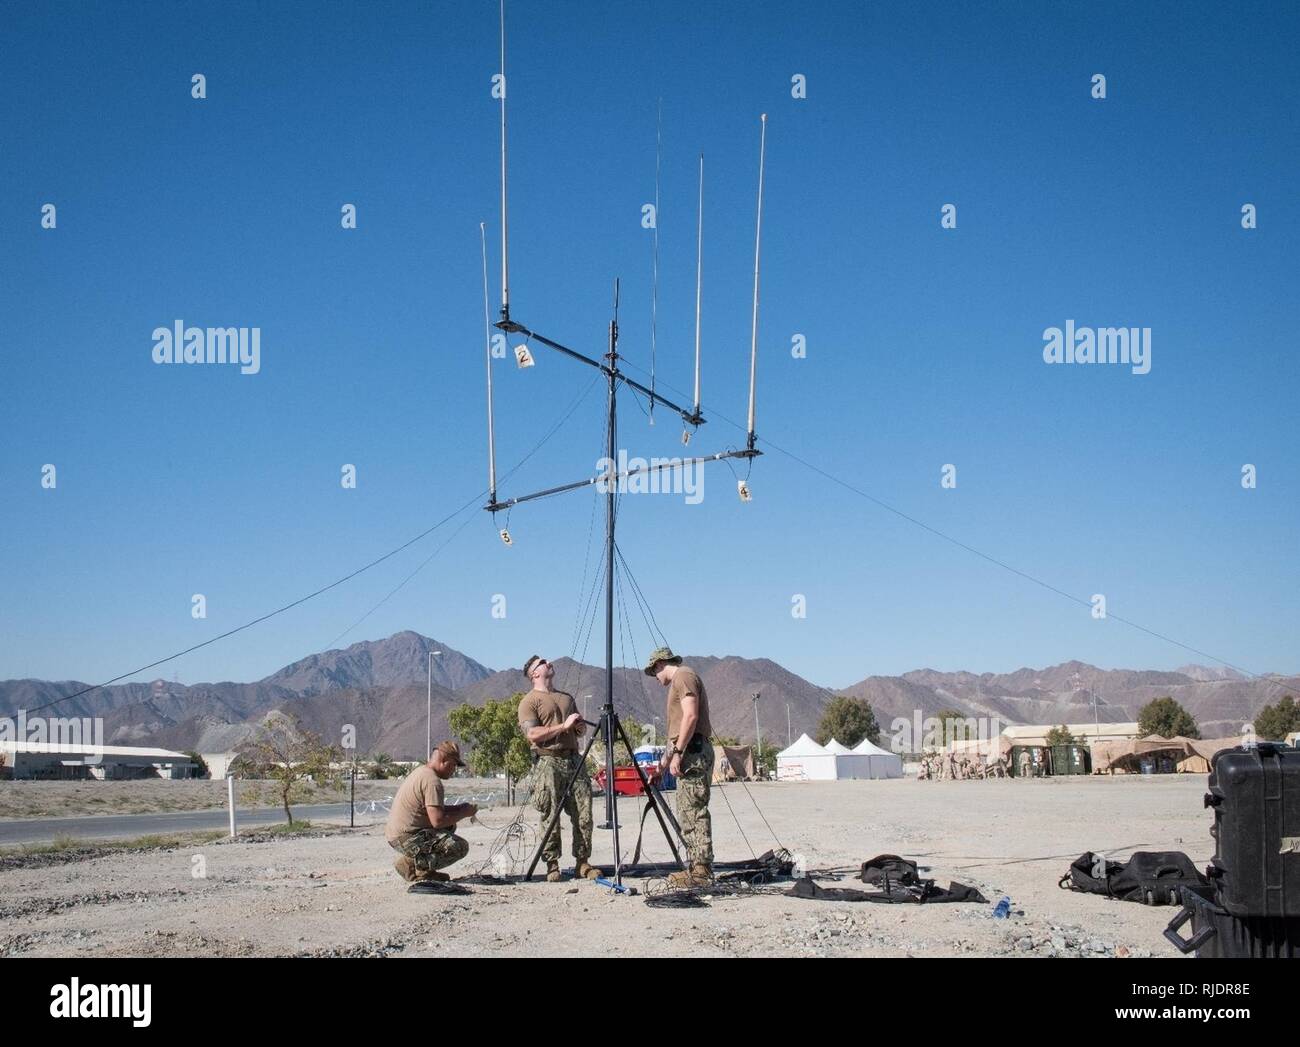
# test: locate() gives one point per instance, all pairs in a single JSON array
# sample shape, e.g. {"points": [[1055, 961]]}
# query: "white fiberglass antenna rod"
{"points": [[758, 239], [654, 281], [699, 263], [487, 349], [505, 243]]}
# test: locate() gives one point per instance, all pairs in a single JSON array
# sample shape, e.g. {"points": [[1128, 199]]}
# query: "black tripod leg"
{"points": [[559, 807], [651, 793]]}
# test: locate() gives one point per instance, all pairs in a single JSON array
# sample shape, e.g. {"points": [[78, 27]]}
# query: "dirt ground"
{"points": [[337, 894]]}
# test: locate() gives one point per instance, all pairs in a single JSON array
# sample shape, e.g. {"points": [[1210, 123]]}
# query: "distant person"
{"points": [[552, 724], [421, 826], [689, 757]]}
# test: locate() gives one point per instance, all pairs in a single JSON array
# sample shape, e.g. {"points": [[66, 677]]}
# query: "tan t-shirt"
{"points": [[687, 681], [422, 788], [549, 709]]}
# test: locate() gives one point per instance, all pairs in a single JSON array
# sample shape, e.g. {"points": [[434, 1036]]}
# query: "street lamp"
{"points": [[584, 705], [428, 734], [758, 738]]}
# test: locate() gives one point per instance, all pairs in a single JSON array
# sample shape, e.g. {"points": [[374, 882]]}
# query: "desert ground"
{"points": [[334, 892]]}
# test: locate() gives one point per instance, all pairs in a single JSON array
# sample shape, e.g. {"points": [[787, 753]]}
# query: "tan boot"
{"points": [[552, 872], [405, 867], [437, 877], [585, 870], [699, 875]]}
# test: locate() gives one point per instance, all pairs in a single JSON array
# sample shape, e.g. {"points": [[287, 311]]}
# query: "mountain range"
{"points": [[381, 687]]}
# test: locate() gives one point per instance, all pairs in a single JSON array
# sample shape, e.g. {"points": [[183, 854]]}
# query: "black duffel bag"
{"points": [[1150, 877]]}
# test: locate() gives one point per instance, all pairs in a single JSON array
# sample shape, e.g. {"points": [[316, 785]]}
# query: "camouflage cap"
{"points": [[661, 654], [450, 749]]}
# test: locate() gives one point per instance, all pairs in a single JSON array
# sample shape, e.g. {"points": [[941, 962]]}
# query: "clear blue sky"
{"points": [[924, 344]]}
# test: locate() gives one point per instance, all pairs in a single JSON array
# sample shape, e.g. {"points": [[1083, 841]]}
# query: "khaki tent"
{"points": [[733, 762], [1186, 755]]}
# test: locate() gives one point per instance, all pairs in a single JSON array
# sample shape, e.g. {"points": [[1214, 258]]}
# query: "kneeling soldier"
{"points": [[421, 826], [552, 724]]}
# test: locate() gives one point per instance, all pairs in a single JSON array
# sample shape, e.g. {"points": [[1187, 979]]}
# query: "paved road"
{"points": [[129, 826], [14, 831]]}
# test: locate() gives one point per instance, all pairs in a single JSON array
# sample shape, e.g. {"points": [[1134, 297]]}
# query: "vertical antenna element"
{"points": [[758, 239], [699, 268], [487, 350], [505, 241], [654, 280]]}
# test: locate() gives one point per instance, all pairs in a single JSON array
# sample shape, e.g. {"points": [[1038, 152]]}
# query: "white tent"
{"points": [[884, 764], [805, 760]]}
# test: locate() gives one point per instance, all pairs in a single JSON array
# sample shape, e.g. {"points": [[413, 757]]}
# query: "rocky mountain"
{"points": [[379, 687], [1221, 700], [401, 659]]}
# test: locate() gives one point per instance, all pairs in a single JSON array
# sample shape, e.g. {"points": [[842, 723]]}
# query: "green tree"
{"points": [[289, 756], [382, 766], [848, 721], [493, 739], [1275, 722], [1165, 717], [200, 764], [1060, 736], [765, 758], [953, 726]]}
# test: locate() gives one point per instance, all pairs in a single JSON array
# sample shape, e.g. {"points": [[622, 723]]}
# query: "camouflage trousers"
{"points": [[693, 804], [550, 776], [431, 849]]}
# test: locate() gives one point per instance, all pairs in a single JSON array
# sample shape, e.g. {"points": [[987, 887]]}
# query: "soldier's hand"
{"points": [[573, 720], [473, 809], [676, 766]]}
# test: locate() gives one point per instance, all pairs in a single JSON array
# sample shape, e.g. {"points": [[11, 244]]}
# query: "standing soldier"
{"points": [[689, 757], [552, 724], [421, 826]]}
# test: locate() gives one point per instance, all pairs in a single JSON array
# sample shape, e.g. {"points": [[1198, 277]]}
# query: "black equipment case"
{"points": [[1255, 794], [1217, 934]]}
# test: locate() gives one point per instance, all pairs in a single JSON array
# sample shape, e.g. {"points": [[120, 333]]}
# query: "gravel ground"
{"points": [[335, 893]]}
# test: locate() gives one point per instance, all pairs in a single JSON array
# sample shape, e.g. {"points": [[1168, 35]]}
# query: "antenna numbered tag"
{"points": [[742, 488], [523, 357], [505, 537]]}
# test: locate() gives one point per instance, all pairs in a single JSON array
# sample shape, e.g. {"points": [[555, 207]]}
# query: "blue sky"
{"points": [[924, 344]]}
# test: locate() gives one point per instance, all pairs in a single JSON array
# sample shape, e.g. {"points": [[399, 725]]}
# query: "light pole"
{"points": [[428, 733], [788, 741], [655, 740], [584, 705], [758, 738]]}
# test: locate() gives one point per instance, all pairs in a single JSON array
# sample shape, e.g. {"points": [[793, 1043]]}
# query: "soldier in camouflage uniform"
{"points": [[689, 757], [421, 827], [551, 723]]}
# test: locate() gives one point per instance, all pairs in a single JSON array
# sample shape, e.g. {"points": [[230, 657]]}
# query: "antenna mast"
{"points": [[699, 269], [753, 329], [487, 352], [505, 241]]}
